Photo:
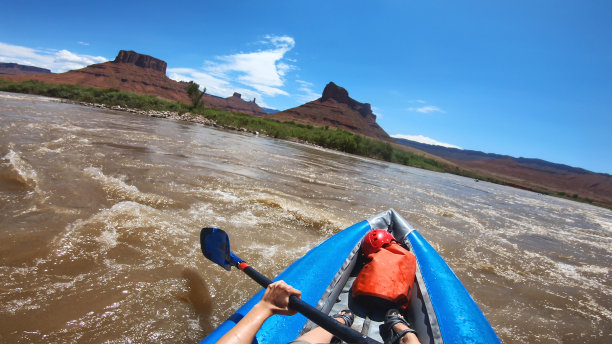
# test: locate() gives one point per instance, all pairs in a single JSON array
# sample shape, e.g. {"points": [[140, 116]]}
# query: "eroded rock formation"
{"points": [[142, 74], [336, 109], [141, 60]]}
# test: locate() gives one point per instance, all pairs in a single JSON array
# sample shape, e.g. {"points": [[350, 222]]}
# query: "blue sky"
{"points": [[524, 78]]}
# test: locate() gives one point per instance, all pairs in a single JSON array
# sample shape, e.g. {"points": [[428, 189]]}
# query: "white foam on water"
{"points": [[269, 252], [46, 150], [225, 196], [204, 214], [579, 274], [108, 238], [117, 188], [15, 96], [75, 233], [605, 223], [296, 210], [144, 231], [16, 305], [245, 217], [59, 287], [24, 170], [273, 253]]}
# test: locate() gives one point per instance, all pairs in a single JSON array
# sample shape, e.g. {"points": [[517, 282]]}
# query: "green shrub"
{"points": [[325, 136]]}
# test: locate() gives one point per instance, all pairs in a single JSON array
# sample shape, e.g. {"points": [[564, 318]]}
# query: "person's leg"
{"points": [[320, 335], [399, 327], [408, 338]]}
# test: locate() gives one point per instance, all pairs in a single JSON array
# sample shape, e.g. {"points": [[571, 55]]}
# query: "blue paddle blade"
{"points": [[216, 247]]}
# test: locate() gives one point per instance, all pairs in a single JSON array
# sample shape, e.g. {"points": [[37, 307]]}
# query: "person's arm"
{"points": [[274, 301]]}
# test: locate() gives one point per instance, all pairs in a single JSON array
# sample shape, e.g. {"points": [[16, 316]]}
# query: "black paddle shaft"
{"points": [[343, 332]]}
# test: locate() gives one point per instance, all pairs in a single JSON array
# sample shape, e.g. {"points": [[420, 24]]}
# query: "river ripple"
{"points": [[101, 212]]}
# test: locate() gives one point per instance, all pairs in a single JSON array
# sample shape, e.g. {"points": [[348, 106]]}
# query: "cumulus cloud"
{"points": [[253, 74], [56, 61], [214, 85], [425, 109], [262, 70], [306, 94], [424, 139]]}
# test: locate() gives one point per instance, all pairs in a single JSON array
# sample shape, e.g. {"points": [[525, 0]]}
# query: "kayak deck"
{"points": [[369, 317], [441, 309]]}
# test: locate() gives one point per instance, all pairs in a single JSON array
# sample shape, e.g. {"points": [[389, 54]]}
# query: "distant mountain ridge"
{"points": [[269, 110], [535, 174], [336, 109], [472, 155], [17, 69]]}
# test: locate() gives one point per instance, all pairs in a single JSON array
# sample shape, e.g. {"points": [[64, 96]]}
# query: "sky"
{"points": [[523, 78]]}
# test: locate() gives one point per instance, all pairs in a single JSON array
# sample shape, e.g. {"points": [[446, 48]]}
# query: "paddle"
{"points": [[216, 247]]}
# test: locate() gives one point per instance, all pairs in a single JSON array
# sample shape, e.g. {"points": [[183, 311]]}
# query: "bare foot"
{"points": [[408, 338], [341, 320]]}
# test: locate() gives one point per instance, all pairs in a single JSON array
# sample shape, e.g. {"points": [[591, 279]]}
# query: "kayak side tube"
{"points": [[442, 309], [459, 318], [311, 274]]}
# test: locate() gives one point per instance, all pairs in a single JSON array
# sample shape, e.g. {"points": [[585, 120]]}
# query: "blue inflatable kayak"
{"points": [[441, 309]]}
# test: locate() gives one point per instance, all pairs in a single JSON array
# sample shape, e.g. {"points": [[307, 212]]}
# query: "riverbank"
{"points": [[325, 137]]}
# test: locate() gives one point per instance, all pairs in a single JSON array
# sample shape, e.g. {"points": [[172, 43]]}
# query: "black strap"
{"points": [[397, 338]]}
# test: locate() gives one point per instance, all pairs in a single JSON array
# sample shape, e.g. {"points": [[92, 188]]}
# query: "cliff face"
{"points": [[339, 94], [335, 108], [142, 74], [141, 60], [17, 69]]}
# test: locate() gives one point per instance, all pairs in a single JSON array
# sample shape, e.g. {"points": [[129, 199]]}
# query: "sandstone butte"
{"points": [[142, 74], [336, 109]]}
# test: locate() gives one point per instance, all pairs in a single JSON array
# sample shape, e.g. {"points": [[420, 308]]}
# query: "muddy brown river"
{"points": [[100, 213]]}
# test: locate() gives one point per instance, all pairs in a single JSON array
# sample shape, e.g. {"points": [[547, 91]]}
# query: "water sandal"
{"points": [[392, 318], [348, 317]]}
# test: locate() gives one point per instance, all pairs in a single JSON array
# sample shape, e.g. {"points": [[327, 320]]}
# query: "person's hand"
{"points": [[276, 298]]}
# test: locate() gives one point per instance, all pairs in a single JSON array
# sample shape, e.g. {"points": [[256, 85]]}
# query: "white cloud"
{"points": [[426, 109], [56, 61], [270, 91], [306, 94], [67, 60], [253, 74], [262, 70], [377, 112], [424, 139], [214, 85]]}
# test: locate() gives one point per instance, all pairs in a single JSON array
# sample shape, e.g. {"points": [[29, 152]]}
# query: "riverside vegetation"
{"points": [[325, 136], [337, 139]]}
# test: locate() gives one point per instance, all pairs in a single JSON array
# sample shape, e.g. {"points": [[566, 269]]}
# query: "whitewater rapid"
{"points": [[101, 212]]}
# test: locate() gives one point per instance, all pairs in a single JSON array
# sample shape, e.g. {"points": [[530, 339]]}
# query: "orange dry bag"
{"points": [[388, 275]]}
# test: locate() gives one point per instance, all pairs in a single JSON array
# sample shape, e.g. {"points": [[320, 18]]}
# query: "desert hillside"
{"points": [[336, 109], [142, 74]]}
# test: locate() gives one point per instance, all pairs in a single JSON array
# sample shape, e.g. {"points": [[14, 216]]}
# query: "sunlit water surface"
{"points": [[100, 214]]}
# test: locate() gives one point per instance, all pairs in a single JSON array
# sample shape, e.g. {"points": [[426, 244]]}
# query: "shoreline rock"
{"points": [[187, 116]]}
